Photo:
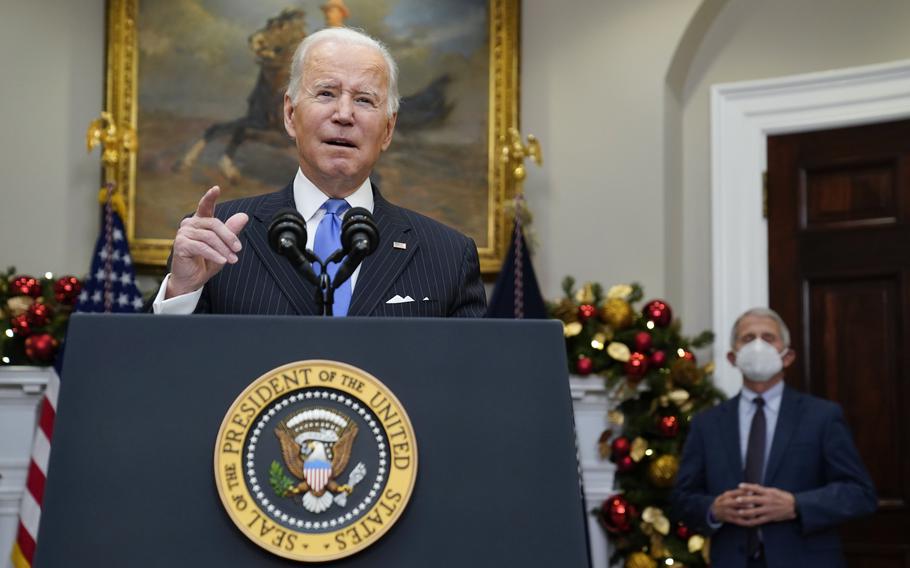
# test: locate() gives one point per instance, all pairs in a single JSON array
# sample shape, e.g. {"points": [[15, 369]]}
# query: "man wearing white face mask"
{"points": [[772, 472]]}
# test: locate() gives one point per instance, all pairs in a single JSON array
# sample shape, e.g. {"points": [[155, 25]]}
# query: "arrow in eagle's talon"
{"points": [[356, 475]]}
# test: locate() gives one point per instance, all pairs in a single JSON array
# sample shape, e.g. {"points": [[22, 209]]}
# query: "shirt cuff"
{"points": [[713, 523], [184, 304]]}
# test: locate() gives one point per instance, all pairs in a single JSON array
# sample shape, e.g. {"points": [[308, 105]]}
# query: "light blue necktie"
{"points": [[328, 240]]}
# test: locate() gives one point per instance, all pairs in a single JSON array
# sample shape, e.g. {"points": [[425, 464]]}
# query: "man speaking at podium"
{"points": [[340, 108]]}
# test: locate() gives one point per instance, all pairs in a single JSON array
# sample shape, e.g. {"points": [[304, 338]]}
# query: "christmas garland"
{"points": [[653, 376], [35, 312]]}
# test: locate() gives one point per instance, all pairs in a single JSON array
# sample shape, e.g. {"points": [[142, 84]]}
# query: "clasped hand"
{"points": [[203, 245], [752, 505]]}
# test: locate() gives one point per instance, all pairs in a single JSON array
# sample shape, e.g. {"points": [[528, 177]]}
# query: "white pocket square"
{"points": [[396, 299]]}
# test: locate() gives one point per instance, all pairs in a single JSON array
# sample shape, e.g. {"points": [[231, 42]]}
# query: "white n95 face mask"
{"points": [[759, 360]]}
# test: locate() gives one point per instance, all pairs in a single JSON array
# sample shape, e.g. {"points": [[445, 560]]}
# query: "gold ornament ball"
{"points": [[617, 313], [640, 560], [685, 372], [662, 471], [566, 310]]}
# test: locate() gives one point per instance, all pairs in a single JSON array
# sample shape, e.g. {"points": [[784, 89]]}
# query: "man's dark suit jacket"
{"points": [[812, 456], [436, 263]]}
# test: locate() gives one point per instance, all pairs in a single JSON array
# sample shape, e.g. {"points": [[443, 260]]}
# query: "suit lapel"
{"points": [[729, 431], [787, 419], [382, 268], [300, 292]]}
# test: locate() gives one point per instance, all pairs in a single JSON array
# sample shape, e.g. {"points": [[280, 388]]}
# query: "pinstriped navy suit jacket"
{"points": [[439, 263]]}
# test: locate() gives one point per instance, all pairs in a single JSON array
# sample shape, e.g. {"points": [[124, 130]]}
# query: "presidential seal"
{"points": [[315, 460]]}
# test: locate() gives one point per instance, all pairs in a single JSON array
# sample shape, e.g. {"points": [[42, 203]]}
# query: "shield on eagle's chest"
{"points": [[317, 473]]}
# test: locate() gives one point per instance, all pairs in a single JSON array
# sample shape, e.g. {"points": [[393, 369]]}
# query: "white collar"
{"points": [[310, 199], [772, 396]]}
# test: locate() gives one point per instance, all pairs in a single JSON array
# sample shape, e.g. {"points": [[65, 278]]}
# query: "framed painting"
{"points": [[201, 84]]}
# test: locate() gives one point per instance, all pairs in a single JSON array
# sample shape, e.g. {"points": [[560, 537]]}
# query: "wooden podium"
{"points": [[131, 478]]}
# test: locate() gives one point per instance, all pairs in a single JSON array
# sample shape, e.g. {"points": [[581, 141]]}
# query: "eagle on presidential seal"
{"points": [[316, 446]]}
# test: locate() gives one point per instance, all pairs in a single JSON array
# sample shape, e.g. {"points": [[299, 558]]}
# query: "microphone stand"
{"points": [[326, 286], [326, 291], [291, 230], [302, 261]]}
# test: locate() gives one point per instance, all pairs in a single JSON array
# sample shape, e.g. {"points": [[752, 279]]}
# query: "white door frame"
{"points": [[742, 116]]}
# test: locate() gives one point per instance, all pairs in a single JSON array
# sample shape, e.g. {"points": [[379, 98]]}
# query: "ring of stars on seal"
{"points": [[315, 460]]}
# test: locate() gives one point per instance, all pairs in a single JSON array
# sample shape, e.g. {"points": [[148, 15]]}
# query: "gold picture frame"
{"points": [[122, 102]]}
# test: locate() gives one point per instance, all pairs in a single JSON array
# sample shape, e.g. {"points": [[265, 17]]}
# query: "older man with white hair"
{"points": [[340, 108], [771, 473]]}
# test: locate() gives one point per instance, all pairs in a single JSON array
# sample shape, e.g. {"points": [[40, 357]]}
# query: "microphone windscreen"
{"points": [[286, 223], [358, 222]]}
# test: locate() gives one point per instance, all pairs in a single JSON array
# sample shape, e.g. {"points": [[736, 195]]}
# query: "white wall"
{"points": [[624, 192], [52, 58], [592, 76], [757, 40]]}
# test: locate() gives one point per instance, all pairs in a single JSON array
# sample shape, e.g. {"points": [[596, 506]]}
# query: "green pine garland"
{"points": [[14, 304], [604, 331]]}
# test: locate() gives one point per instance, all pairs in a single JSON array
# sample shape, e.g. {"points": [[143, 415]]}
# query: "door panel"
{"points": [[839, 269]]}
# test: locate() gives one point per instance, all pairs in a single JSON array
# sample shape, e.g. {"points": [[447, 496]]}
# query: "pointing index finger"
{"points": [[206, 207]]}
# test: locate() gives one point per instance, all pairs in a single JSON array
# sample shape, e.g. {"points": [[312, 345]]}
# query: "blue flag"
{"points": [[516, 294], [111, 284]]}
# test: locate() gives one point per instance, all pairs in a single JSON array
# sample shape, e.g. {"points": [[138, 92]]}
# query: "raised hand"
{"points": [[203, 246]]}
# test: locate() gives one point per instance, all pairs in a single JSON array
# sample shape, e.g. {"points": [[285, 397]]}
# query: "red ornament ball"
{"points": [[586, 312], [620, 447], [637, 366], [41, 348], [659, 312], [25, 286], [584, 366], [625, 464], [668, 426], [20, 325], [618, 514], [39, 314], [683, 532], [66, 290], [659, 359], [642, 341], [688, 356]]}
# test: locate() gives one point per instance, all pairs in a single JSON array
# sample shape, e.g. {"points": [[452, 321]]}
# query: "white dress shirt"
{"points": [[747, 408], [310, 201]]}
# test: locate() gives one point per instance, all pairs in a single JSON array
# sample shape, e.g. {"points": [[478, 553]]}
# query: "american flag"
{"points": [[110, 287]]}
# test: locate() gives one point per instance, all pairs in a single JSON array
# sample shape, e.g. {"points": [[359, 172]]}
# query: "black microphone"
{"points": [[287, 237], [359, 238]]}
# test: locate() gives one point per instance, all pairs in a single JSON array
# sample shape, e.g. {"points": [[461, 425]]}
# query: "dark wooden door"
{"points": [[839, 265]]}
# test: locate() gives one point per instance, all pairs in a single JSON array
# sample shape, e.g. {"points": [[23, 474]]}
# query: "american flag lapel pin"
{"points": [[398, 245]]}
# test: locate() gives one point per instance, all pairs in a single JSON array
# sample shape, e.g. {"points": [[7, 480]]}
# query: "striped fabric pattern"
{"points": [[436, 266], [30, 511]]}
